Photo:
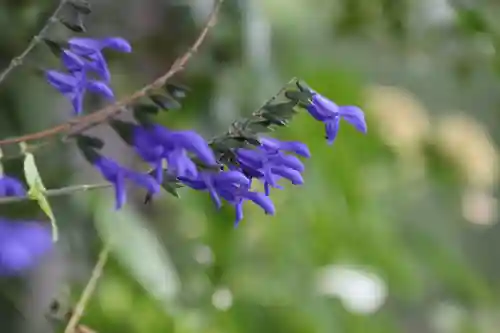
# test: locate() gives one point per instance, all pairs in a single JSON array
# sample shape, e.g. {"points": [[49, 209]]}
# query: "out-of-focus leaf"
{"points": [[138, 249]]}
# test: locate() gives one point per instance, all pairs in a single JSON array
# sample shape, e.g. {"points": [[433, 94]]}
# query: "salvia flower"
{"points": [[11, 187], [326, 111], [269, 162], [156, 143], [74, 86], [22, 245], [90, 49], [233, 186], [117, 175]]}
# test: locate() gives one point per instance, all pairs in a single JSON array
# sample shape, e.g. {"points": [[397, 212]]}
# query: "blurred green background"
{"points": [[395, 231]]}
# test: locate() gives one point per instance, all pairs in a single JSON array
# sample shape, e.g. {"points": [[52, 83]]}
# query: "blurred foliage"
{"points": [[395, 231]]}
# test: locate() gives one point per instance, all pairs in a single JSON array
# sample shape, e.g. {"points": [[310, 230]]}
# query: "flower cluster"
{"points": [[83, 58], [22, 243], [188, 160]]}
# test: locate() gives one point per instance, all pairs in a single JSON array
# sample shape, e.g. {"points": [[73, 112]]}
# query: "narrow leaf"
{"points": [[54, 46], [37, 190], [73, 23], [165, 102], [176, 91], [81, 6]]}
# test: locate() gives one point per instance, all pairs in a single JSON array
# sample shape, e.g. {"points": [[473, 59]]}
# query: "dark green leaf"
{"points": [[74, 22], [124, 129], [55, 47], [165, 102], [146, 108], [143, 113], [176, 91], [81, 6], [303, 86], [259, 126], [170, 184], [275, 119], [90, 141], [302, 97]]}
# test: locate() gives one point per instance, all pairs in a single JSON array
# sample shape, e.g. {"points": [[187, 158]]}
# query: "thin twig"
{"points": [[58, 192], [88, 291], [81, 124], [17, 61]]}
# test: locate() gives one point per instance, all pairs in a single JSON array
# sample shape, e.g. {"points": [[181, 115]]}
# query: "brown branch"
{"points": [[81, 124]]}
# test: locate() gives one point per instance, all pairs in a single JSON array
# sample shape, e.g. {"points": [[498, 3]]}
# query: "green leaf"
{"points": [[81, 6], [73, 22], [165, 102], [138, 249], [37, 190]]}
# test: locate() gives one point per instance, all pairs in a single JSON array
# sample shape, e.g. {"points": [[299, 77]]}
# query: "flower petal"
{"points": [[77, 101], [117, 44], [143, 180], [233, 177], [292, 175], [292, 161], [120, 191], [193, 142], [65, 83], [72, 61], [261, 200], [100, 88], [239, 212], [11, 187], [331, 129], [355, 116], [84, 46], [297, 147]]}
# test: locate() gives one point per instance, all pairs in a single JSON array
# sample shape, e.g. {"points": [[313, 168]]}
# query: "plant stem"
{"points": [[58, 192], [88, 291], [18, 61]]}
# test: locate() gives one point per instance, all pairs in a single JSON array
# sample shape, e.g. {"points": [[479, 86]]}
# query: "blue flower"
{"points": [[233, 186], [74, 87], [326, 111], [269, 162], [116, 174], [156, 143], [91, 50], [11, 187], [275, 145], [22, 245]]}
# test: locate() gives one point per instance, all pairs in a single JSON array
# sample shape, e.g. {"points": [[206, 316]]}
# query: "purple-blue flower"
{"points": [[156, 143], [91, 50], [269, 162], [233, 186], [116, 174], [275, 145], [326, 111], [22, 245], [73, 86], [11, 187]]}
